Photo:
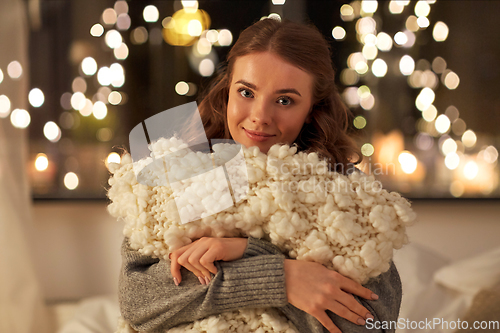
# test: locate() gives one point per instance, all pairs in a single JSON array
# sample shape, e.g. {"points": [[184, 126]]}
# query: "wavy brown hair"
{"points": [[304, 47]]}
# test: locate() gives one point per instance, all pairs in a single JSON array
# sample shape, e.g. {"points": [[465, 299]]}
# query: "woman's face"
{"points": [[269, 100]]}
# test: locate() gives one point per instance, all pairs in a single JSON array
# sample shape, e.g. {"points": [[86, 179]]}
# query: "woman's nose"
{"points": [[261, 113]]}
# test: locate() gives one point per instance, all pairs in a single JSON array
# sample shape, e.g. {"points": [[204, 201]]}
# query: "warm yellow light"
{"points": [[89, 66], [395, 7], [113, 39], [423, 22], [412, 23], [430, 113], [408, 162], [52, 131], [36, 97], [41, 162], [440, 32], [379, 68], [113, 158], [400, 38], [114, 98], [346, 13], [1, 76], [490, 154], [20, 118], [150, 14], [425, 99], [87, 108], [442, 124], [4, 106], [470, 170], [367, 103], [369, 6], [469, 138], [117, 74], [361, 67], [451, 80], [451, 161], [104, 76], [225, 37], [449, 146], [422, 8], [121, 52], [71, 180], [181, 88], [359, 122], [180, 29], [15, 70], [97, 30], [367, 149], [109, 16], [370, 51], [384, 42], [206, 67], [100, 110], [366, 25], [354, 59], [77, 101], [338, 33], [406, 65]]}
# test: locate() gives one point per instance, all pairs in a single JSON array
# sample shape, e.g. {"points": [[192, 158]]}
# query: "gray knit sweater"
{"points": [[151, 302]]}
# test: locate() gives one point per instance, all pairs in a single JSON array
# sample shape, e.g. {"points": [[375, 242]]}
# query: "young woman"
{"points": [[278, 87]]}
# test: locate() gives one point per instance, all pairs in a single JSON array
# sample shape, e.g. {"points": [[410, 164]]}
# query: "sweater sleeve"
{"points": [[385, 310], [151, 302]]}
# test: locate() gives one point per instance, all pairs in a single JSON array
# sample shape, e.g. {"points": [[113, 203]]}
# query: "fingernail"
{"points": [[207, 280], [176, 281], [361, 321], [369, 316], [202, 280], [374, 296], [170, 256]]}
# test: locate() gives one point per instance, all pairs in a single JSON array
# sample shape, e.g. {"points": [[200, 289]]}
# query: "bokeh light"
{"points": [[51, 131], [408, 162], [109, 16], [440, 31], [452, 160], [71, 180], [359, 122], [442, 124], [338, 33], [89, 66], [379, 68], [20, 118], [471, 170], [406, 65], [97, 30], [367, 149], [15, 70], [41, 162], [36, 97], [181, 88], [4, 106], [469, 138]]}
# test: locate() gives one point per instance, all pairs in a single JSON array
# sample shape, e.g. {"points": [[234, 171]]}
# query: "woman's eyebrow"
{"points": [[280, 91]]}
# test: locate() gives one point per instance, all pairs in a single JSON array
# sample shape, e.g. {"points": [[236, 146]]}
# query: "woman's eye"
{"points": [[246, 93], [285, 100]]}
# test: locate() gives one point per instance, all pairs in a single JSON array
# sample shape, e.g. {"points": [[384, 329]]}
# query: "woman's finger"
{"points": [[175, 269], [207, 261], [350, 303], [344, 312], [354, 288], [195, 260]]}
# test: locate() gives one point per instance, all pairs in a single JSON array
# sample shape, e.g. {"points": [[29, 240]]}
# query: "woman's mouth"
{"points": [[257, 136]]}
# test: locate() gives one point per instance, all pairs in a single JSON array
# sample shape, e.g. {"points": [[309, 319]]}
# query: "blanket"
{"points": [[348, 223]]}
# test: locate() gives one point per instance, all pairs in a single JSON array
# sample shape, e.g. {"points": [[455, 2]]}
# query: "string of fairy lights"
{"points": [[469, 170]]}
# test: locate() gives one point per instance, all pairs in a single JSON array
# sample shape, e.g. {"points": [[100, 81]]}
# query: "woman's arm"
{"points": [[151, 302], [385, 309]]}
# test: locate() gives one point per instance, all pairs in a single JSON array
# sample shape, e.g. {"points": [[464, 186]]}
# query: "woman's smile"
{"points": [[269, 100]]}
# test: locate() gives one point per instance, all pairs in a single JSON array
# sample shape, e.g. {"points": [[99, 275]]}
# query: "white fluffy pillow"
{"points": [[472, 274]]}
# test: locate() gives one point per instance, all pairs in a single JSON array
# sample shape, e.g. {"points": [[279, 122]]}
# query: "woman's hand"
{"points": [[314, 289], [199, 256]]}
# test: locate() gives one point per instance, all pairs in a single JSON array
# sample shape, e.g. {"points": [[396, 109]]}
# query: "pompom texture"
{"points": [[347, 223]]}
